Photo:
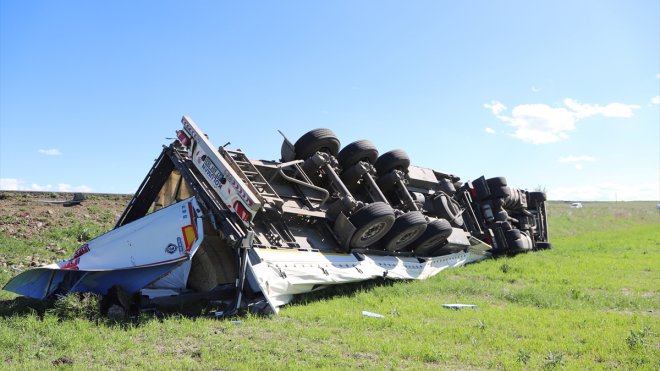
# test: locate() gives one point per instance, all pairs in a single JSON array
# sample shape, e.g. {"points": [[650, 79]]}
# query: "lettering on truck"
{"points": [[213, 168], [240, 201], [212, 172]]}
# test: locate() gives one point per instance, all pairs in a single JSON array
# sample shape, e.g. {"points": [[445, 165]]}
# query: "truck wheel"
{"points": [[496, 182], [317, 140], [512, 234], [406, 229], [436, 233], [534, 197], [361, 150], [543, 245], [514, 240], [500, 192], [445, 208], [394, 159], [372, 222]]}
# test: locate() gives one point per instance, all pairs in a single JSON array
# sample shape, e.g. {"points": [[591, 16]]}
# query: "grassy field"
{"points": [[592, 302]]}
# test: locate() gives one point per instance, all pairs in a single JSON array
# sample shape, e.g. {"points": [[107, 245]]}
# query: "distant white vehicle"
{"points": [[576, 205]]}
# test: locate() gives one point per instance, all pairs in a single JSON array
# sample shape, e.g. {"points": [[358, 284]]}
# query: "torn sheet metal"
{"points": [[281, 274], [132, 256], [458, 306]]}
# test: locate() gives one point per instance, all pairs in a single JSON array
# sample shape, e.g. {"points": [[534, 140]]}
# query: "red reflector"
{"points": [[189, 236], [183, 138], [241, 212]]}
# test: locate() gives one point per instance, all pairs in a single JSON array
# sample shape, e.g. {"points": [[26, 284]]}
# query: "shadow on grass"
{"points": [[66, 308], [90, 307], [22, 306], [343, 290], [102, 310]]}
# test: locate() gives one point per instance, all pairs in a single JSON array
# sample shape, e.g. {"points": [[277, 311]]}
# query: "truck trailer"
{"points": [[210, 224]]}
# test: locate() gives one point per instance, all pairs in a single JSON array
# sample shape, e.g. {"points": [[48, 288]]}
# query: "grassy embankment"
{"points": [[591, 302]]}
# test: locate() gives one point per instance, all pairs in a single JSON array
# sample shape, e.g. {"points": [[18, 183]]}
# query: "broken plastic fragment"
{"points": [[459, 306], [372, 314]]}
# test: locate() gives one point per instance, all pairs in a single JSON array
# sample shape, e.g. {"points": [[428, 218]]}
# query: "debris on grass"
{"points": [[372, 314]]}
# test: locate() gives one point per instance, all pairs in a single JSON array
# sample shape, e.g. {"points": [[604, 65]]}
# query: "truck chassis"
{"points": [[260, 232]]}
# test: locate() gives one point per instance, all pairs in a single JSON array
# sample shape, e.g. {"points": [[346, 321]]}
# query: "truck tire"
{"points": [[515, 201], [406, 229], [436, 233], [394, 159], [535, 197], [513, 234], [543, 245], [361, 150], [372, 222], [500, 192], [496, 182], [514, 240], [445, 208], [317, 140]]}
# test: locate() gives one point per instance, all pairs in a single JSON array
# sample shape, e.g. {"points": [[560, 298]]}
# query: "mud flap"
{"points": [[259, 283], [344, 231]]}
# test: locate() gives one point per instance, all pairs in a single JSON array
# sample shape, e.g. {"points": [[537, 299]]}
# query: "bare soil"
{"points": [[25, 215]]}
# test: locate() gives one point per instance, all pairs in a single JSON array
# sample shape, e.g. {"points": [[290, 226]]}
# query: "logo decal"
{"points": [[171, 248], [71, 264], [84, 249]]}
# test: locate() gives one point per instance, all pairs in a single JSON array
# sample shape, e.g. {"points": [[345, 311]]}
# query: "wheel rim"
{"points": [[431, 242], [405, 238], [372, 231]]}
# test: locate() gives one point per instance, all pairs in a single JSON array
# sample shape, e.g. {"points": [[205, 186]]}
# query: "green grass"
{"points": [[592, 302]]}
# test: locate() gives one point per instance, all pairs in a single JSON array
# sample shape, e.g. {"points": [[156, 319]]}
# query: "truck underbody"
{"points": [[211, 224]]}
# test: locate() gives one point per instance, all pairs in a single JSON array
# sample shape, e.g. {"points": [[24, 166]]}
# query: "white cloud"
{"points": [[13, 184], [9, 184], [656, 99], [577, 159], [540, 123], [611, 110], [50, 152], [606, 192], [490, 131], [40, 188], [657, 75], [496, 107], [62, 187]]}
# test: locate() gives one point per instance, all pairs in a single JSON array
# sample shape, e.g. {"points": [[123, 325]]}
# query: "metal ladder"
{"points": [[251, 175]]}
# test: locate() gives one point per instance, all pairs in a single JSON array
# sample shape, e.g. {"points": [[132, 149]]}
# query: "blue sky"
{"points": [[563, 95]]}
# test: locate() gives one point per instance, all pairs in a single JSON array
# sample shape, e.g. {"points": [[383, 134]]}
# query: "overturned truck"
{"points": [[211, 224]]}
